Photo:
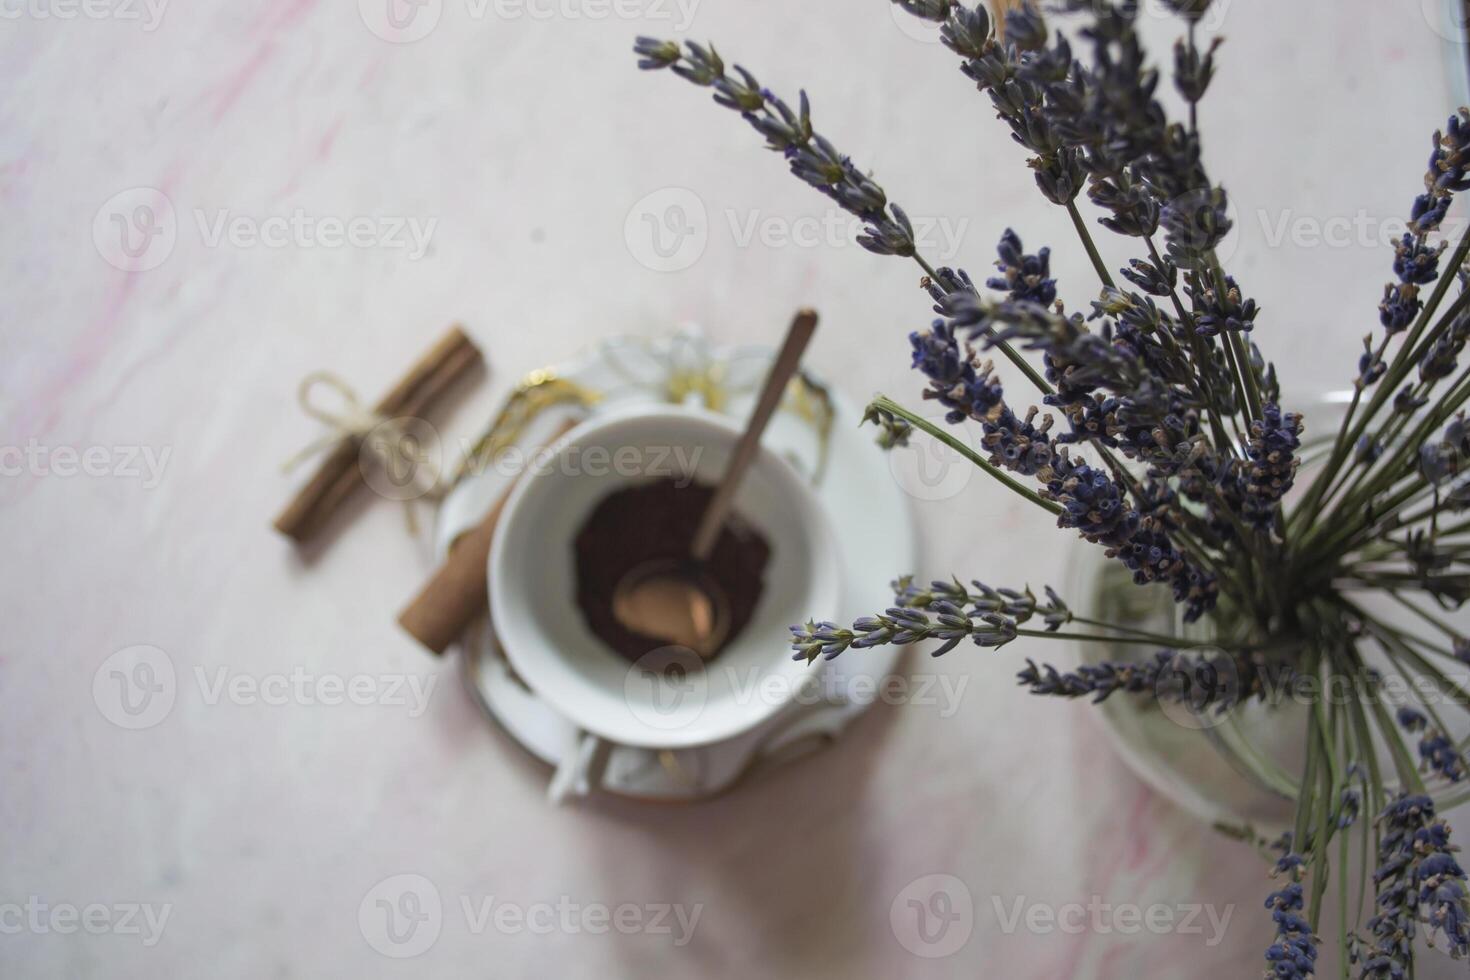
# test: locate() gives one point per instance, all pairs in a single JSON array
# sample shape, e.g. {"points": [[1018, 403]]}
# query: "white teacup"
{"points": [[533, 583]]}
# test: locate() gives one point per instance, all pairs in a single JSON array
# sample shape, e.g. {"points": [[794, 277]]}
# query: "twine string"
{"points": [[391, 442]]}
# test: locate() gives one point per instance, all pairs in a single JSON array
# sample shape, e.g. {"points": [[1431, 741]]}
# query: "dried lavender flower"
{"points": [[1024, 27], [1193, 69], [1019, 606], [1023, 277], [1441, 460], [1133, 205], [1168, 674], [1415, 262], [901, 626], [945, 610], [1293, 954], [1275, 438], [1156, 279], [1445, 176], [1437, 752], [1399, 307], [1222, 310], [967, 30], [1443, 355], [1417, 879], [1194, 223], [811, 157]]}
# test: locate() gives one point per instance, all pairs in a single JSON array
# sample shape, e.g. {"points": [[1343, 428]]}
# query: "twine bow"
{"points": [[407, 465]]}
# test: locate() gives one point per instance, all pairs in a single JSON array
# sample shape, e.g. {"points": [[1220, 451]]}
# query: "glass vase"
{"points": [[1241, 767]]}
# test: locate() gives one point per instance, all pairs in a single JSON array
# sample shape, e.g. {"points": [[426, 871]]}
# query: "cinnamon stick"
{"points": [[458, 592], [339, 476]]}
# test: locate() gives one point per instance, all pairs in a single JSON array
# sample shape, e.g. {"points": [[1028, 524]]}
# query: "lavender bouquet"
{"points": [[1168, 448]]}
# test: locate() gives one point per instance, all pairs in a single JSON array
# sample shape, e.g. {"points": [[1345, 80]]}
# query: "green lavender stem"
{"points": [[888, 406], [1388, 384], [1089, 245]]}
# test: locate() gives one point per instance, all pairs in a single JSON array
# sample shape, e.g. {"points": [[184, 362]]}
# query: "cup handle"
{"points": [[582, 767]]}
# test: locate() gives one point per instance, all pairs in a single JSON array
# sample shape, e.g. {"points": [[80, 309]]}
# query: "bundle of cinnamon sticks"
{"points": [[339, 475]]}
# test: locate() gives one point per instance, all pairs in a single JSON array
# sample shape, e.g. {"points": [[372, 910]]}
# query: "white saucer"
{"points": [[851, 480]]}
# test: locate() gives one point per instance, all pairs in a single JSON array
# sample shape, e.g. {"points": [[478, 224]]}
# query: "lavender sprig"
{"points": [[1438, 753], [1018, 605], [1416, 263], [1293, 955], [943, 611], [1417, 880], [1169, 675], [1447, 174], [950, 612], [901, 626], [811, 156]]}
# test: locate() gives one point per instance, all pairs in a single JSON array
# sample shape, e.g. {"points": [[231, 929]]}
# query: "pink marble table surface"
{"points": [[318, 196]]}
